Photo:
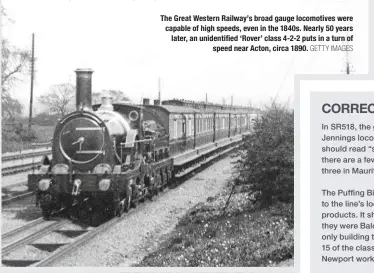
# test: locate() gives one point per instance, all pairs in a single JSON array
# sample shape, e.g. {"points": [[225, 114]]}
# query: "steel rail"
{"points": [[6, 171], [6, 158], [16, 197], [22, 228], [7, 187], [32, 237], [80, 240]]}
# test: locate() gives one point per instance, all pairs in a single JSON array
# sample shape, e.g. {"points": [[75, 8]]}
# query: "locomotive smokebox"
{"points": [[84, 89]]}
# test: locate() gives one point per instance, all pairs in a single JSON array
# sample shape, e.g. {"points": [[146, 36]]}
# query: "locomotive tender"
{"points": [[116, 153]]}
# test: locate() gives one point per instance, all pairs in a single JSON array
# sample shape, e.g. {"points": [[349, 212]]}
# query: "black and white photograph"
{"points": [[143, 134]]}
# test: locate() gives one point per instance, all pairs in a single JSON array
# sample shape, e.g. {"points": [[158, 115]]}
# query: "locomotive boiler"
{"points": [[114, 154]]}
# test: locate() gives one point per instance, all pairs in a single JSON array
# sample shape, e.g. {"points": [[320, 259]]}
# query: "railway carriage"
{"points": [[113, 154]]}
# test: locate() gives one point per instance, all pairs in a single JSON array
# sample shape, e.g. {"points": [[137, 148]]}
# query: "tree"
{"points": [[14, 65], [266, 157], [10, 107], [58, 98], [117, 95]]}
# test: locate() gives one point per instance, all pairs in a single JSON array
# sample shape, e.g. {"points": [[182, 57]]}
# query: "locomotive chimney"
{"points": [[145, 101], [84, 88]]}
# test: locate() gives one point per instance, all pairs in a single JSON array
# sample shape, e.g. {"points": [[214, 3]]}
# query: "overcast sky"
{"points": [[126, 45]]}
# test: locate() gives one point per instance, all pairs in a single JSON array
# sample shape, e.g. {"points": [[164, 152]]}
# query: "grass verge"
{"points": [[245, 236], [42, 134]]}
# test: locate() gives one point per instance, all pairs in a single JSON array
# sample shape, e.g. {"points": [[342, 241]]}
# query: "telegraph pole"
{"points": [[348, 69], [32, 82], [159, 90], [348, 65]]}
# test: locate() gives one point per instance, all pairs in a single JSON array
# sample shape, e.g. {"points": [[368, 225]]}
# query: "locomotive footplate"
{"points": [[75, 184]]}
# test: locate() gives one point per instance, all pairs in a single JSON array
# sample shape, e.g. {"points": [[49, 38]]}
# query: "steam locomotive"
{"points": [[115, 153]]}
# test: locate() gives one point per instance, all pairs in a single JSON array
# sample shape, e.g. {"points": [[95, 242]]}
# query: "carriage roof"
{"points": [[175, 109]]}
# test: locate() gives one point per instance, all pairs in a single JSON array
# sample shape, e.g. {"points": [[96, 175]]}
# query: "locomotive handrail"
{"points": [[137, 141], [127, 143], [41, 144]]}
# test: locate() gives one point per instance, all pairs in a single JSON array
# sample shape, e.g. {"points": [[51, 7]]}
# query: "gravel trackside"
{"points": [[18, 213], [143, 229]]}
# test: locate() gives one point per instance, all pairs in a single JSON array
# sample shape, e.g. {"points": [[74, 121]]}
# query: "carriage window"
{"points": [[180, 127], [184, 126], [175, 128], [223, 123]]}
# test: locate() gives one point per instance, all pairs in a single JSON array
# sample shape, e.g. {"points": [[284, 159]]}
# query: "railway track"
{"points": [[29, 248], [9, 187], [5, 171], [17, 197], [21, 162], [12, 196], [19, 156], [40, 242]]}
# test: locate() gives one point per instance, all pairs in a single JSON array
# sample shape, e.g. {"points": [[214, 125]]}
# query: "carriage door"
{"points": [[240, 123], [236, 124], [230, 121], [194, 130], [214, 127], [184, 135]]}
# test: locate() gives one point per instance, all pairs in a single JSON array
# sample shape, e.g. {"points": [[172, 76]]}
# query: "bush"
{"points": [[28, 135], [15, 136], [266, 157], [44, 119], [205, 237]]}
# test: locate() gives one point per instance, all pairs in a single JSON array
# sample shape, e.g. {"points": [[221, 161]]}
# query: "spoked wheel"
{"points": [[162, 179], [119, 209], [127, 204], [134, 204], [153, 192], [150, 194]]}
